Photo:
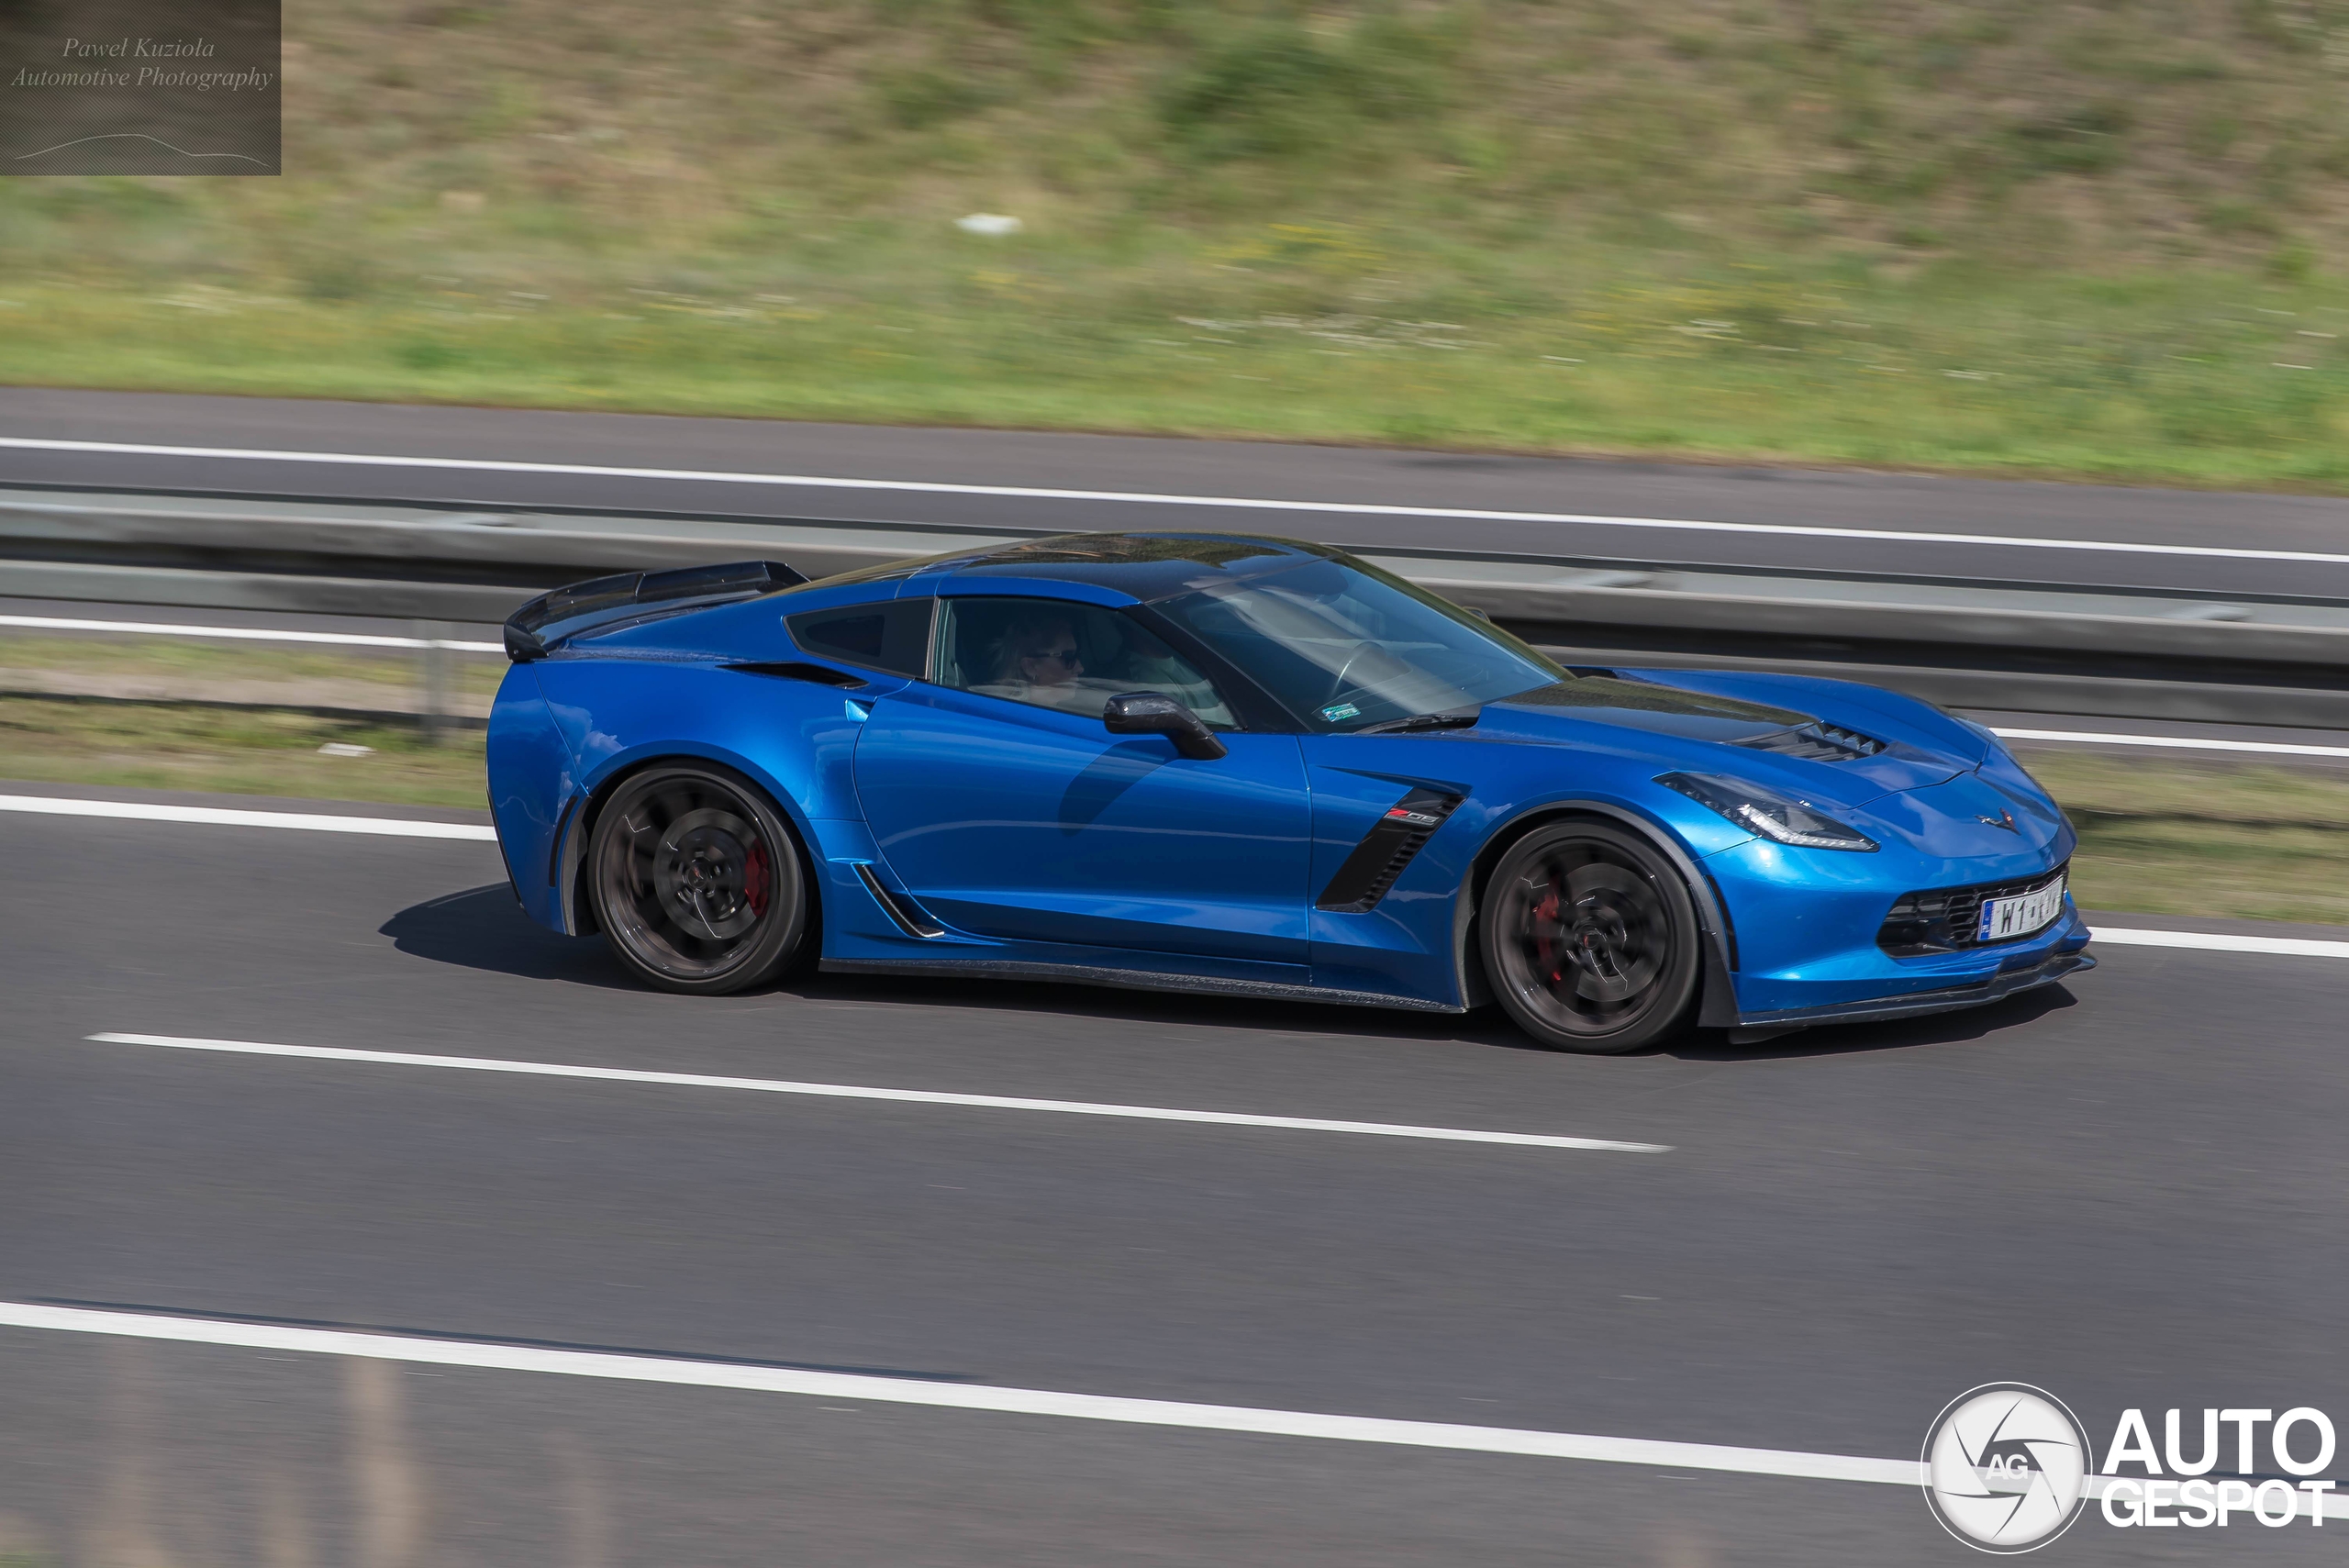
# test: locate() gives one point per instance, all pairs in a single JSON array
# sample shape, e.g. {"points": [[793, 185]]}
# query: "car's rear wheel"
{"points": [[696, 880], [1589, 938]]}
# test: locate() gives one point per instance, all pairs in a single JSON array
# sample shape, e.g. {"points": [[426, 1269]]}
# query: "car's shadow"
{"points": [[485, 929]]}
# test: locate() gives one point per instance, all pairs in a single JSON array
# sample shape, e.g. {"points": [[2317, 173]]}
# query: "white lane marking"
{"points": [[313, 822], [263, 634], [965, 1396], [1043, 492], [2181, 742], [1254, 1421], [854, 1092], [242, 633], [2291, 947], [393, 827], [354, 639]]}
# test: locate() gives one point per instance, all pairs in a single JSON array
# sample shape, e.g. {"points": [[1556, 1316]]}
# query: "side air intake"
{"points": [[1385, 851], [904, 913]]}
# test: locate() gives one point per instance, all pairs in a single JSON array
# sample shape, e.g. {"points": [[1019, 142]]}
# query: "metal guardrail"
{"points": [[2028, 647], [442, 563]]}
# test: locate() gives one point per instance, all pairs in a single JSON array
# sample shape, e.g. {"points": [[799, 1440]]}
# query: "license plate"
{"points": [[2022, 915]]}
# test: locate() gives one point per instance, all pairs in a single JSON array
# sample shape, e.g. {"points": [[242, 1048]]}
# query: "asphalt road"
{"points": [[1843, 501], [2126, 1191]]}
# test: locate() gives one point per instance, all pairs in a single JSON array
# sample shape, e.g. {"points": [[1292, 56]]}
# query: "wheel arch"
{"points": [[1717, 992], [578, 830]]}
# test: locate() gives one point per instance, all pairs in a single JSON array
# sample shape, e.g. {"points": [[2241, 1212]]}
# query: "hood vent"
{"points": [[1817, 741]]}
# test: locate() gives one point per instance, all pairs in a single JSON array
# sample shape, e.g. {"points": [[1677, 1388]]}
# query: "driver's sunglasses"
{"points": [[1069, 658]]}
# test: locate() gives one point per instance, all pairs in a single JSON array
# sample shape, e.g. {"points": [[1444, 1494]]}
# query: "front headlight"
{"points": [[1773, 816]]}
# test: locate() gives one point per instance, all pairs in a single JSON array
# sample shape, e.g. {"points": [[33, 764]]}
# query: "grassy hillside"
{"points": [[2099, 238]]}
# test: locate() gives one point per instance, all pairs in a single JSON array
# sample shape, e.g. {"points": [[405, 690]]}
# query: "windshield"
{"points": [[1347, 646]]}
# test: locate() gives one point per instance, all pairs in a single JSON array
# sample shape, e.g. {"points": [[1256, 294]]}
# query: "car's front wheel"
{"points": [[696, 881], [1589, 938]]}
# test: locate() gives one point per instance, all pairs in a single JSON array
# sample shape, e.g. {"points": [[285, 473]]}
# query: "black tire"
{"points": [[1589, 938], [697, 881]]}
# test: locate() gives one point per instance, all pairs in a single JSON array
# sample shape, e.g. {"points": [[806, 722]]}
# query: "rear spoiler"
{"points": [[603, 603]]}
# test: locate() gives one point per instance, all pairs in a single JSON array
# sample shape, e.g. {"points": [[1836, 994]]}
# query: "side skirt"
{"points": [[1125, 979]]}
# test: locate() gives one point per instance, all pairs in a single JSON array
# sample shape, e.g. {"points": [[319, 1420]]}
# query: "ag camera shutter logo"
{"points": [[2006, 1467]]}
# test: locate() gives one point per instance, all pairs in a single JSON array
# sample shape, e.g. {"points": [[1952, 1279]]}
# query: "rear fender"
{"points": [[532, 778], [793, 739], [579, 826]]}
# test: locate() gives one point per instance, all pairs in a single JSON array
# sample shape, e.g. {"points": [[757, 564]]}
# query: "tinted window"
{"points": [[1347, 646], [1070, 656], [892, 636]]}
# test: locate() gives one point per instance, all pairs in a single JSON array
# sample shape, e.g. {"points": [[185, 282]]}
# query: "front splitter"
{"points": [[1949, 999]]}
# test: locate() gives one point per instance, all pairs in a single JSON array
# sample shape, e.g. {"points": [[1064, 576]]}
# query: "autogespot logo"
{"points": [[2006, 1467]]}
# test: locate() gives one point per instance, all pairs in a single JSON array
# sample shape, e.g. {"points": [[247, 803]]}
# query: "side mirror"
{"points": [[1484, 616], [1154, 712]]}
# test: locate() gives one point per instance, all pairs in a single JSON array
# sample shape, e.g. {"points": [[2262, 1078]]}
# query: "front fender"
{"points": [[1717, 1002], [1420, 939]]}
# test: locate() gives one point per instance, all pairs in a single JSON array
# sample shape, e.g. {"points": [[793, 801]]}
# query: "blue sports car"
{"points": [[1208, 763]]}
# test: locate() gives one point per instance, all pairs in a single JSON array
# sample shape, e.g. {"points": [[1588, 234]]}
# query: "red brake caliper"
{"points": [[755, 878], [1545, 927]]}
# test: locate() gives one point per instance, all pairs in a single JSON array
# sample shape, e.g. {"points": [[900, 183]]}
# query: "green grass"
{"points": [[234, 751], [2188, 380], [2215, 839], [191, 660], [1971, 236]]}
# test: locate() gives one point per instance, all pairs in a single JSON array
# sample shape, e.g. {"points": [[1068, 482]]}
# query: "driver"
{"points": [[1036, 660]]}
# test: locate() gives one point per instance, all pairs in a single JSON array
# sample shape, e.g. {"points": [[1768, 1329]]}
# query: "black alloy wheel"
{"points": [[697, 881], [1589, 938]]}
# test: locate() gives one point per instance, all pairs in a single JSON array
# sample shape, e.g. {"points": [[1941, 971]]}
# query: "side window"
{"points": [[1066, 656], [894, 636]]}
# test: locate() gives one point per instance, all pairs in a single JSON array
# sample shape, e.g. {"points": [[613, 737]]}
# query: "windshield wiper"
{"points": [[1459, 718]]}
